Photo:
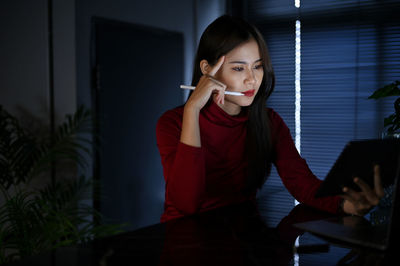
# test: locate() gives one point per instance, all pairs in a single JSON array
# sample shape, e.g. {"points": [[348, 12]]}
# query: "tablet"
{"points": [[357, 159]]}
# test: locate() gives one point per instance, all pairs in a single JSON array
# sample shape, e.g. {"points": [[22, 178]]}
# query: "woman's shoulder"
{"points": [[274, 116], [171, 117], [174, 112], [278, 125]]}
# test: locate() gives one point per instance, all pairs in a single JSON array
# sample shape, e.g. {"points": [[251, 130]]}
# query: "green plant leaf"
{"points": [[386, 91], [388, 121], [33, 221]]}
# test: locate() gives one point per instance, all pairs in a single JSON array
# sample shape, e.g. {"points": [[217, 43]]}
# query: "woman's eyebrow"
{"points": [[243, 62]]}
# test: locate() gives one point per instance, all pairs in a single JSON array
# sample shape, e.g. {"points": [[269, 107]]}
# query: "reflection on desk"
{"points": [[232, 235]]}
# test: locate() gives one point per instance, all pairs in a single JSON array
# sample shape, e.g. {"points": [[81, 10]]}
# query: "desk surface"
{"points": [[233, 235]]}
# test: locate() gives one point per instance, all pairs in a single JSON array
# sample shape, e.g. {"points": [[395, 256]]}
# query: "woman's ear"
{"points": [[204, 66]]}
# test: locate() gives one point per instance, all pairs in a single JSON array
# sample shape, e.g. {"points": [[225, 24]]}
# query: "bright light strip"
{"points": [[297, 105], [298, 91], [296, 256], [298, 87]]}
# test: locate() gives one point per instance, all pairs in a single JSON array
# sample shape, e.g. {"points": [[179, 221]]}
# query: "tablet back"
{"points": [[357, 160]]}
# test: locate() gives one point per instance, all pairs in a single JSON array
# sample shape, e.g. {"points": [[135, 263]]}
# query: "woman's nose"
{"points": [[250, 77]]}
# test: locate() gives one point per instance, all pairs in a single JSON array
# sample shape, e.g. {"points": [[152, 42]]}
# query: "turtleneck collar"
{"points": [[217, 115]]}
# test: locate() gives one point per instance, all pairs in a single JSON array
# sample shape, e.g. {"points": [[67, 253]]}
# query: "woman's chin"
{"points": [[246, 102]]}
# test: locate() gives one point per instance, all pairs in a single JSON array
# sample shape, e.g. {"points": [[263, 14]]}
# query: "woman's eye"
{"points": [[258, 67], [238, 68]]}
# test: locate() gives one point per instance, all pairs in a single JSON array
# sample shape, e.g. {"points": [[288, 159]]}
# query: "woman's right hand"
{"points": [[206, 87]]}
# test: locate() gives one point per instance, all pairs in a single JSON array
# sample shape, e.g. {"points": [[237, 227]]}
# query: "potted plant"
{"points": [[37, 219], [392, 122]]}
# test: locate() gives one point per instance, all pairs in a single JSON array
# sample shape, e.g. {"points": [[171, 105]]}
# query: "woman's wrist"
{"points": [[191, 109], [348, 207], [341, 206], [190, 134]]}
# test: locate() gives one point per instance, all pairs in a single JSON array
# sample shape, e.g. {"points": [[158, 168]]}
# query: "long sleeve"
{"points": [[184, 165], [201, 179], [294, 171]]}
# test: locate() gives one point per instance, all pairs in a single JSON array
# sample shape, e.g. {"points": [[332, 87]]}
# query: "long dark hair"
{"points": [[220, 37]]}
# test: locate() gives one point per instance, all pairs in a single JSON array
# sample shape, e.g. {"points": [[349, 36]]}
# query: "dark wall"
{"points": [[138, 72], [188, 18], [24, 50]]}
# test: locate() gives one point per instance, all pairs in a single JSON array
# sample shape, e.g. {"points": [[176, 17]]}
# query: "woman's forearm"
{"points": [[190, 134]]}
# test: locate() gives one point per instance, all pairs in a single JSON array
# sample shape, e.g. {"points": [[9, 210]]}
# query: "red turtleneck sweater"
{"points": [[213, 175]]}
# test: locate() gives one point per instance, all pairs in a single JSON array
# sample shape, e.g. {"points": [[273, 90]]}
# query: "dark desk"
{"points": [[233, 235]]}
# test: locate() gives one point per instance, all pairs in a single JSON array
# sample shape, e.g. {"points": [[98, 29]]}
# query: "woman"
{"points": [[217, 149]]}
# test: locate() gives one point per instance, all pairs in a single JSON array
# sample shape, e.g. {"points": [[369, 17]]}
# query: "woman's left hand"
{"points": [[360, 203]]}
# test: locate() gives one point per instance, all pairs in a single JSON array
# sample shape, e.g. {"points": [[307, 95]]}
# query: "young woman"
{"points": [[217, 149]]}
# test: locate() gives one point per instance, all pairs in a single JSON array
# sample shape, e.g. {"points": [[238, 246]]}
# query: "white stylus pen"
{"points": [[226, 92]]}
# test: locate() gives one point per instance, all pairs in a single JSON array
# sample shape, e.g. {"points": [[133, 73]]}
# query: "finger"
{"points": [[217, 66], [359, 207], [355, 196], [216, 81], [348, 198], [359, 198], [212, 84], [365, 188], [221, 95], [369, 194], [378, 182], [217, 97], [202, 82]]}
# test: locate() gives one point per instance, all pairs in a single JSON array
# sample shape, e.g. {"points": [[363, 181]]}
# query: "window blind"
{"points": [[274, 200], [348, 50]]}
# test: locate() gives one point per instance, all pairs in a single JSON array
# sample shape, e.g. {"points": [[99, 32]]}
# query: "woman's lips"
{"points": [[249, 93]]}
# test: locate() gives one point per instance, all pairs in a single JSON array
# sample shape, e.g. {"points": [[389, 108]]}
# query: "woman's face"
{"points": [[242, 71]]}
